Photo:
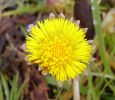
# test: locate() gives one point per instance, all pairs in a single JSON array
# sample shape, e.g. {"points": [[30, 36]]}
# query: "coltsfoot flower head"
{"points": [[59, 47]]}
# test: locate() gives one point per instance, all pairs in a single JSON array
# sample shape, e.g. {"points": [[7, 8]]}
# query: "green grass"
{"points": [[15, 92]]}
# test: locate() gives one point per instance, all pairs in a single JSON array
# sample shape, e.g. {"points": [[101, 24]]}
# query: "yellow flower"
{"points": [[59, 47]]}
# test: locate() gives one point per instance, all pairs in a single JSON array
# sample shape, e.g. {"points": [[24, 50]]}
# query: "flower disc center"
{"points": [[57, 52]]}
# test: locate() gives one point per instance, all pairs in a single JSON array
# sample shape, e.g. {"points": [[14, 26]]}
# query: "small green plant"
{"points": [[11, 90]]}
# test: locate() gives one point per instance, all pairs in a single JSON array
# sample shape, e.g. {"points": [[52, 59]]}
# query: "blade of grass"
{"points": [[21, 90], [17, 90], [112, 54], [14, 87], [25, 9], [100, 35], [5, 87], [90, 83], [52, 81], [1, 92], [89, 94], [108, 82], [107, 97]]}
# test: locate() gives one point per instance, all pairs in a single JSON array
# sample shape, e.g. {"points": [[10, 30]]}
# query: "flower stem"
{"points": [[76, 88]]}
